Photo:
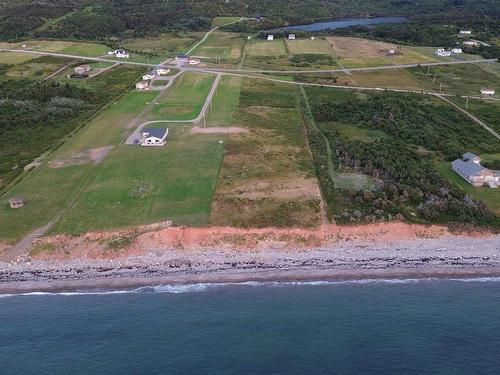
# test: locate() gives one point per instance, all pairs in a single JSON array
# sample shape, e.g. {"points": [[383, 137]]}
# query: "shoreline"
{"points": [[130, 284], [160, 263]]}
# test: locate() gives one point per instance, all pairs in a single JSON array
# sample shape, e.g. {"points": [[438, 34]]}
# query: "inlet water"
{"points": [[330, 25]]}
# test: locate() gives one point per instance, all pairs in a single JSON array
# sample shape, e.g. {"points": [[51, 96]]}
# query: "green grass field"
{"points": [[138, 185], [15, 58], [465, 79], [86, 49], [165, 45], [185, 99], [225, 102], [221, 21], [219, 45], [303, 46], [265, 48]]}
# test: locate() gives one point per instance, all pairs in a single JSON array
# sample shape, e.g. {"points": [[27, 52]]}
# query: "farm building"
{"points": [[456, 50], [270, 37], [465, 32], [16, 202], [149, 76], [470, 169], [291, 36], [162, 71], [82, 70], [142, 85], [488, 91], [182, 58], [154, 137]]}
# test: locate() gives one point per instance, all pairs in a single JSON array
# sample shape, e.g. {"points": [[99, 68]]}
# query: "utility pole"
{"points": [[440, 87], [428, 70], [434, 78], [467, 103]]}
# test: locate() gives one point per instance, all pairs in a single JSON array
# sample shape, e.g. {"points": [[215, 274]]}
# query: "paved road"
{"points": [[219, 70], [136, 135]]}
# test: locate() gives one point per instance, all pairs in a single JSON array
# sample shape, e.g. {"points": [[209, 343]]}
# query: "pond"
{"points": [[337, 24]]}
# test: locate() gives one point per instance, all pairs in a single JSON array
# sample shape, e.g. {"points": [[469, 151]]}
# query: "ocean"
{"points": [[356, 327]]}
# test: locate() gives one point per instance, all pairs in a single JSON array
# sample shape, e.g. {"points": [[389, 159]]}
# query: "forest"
{"points": [[100, 19]]}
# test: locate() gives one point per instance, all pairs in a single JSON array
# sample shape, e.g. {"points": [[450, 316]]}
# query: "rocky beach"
{"points": [[170, 255]]}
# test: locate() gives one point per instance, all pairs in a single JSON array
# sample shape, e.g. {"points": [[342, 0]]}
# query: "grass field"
{"points": [[267, 177], [86, 49], [465, 79], [491, 197], [265, 48], [398, 79], [138, 185], [15, 58], [358, 52], [185, 99], [220, 21], [303, 46], [225, 102], [36, 68], [165, 45], [225, 46]]}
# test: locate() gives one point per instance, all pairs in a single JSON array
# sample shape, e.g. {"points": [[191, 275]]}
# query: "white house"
{"points": [[391, 52], [312, 38], [142, 85], [442, 52], [154, 137], [162, 71], [291, 36], [470, 169], [270, 37], [456, 50], [465, 32], [121, 54], [82, 70], [488, 91], [470, 43], [148, 76]]}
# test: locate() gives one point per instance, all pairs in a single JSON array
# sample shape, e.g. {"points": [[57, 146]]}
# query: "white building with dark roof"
{"points": [[154, 137], [471, 170]]}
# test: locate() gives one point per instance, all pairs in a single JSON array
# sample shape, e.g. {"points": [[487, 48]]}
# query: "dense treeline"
{"points": [[409, 186], [107, 18], [413, 132], [35, 117], [435, 126]]}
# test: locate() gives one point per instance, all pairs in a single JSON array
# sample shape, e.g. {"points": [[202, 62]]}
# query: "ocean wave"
{"points": [[204, 287]]}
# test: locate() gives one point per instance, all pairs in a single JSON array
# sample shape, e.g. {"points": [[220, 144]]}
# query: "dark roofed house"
{"points": [[154, 137], [182, 58], [470, 169]]}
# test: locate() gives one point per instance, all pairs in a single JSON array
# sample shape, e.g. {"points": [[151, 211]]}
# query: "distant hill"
{"points": [[96, 19]]}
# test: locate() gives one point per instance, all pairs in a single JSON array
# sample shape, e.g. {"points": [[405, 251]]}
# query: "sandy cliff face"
{"points": [[160, 238]]}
